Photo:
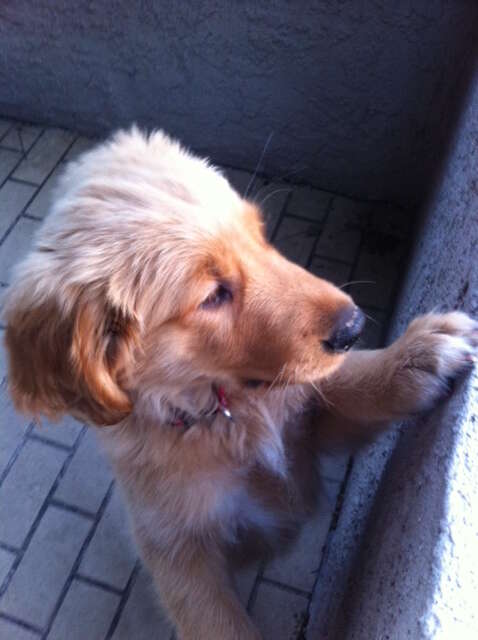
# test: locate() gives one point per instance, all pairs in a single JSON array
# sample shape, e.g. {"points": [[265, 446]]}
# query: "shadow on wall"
{"points": [[360, 96]]}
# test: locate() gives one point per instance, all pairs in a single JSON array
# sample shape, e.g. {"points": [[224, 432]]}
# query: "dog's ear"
{"points": [[73, 361]]}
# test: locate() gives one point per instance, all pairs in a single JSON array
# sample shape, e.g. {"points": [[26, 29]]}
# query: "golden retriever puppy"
{"points": [[153, 307]]}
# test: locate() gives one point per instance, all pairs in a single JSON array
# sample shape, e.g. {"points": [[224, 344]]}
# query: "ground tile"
{"points": [[111, 554], [296, 239], [88, 476], [336, 272], [40, 205], [64, 432], [38, 581], [85, 614], [12, 431], [14, 197], [307, 202], [21, 137], [25, 488], [44, 155], [143, 617], [15, 246], [80, 145], [340, 238], [298, 567], [8, 160], [12, 631], [279, 614], [6, 562]]}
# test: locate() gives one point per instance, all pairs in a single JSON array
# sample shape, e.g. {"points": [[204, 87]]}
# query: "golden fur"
{"points": [[114, 317]]}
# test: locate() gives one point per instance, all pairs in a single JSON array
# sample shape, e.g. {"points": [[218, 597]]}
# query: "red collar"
{"points": [[184, 419]]}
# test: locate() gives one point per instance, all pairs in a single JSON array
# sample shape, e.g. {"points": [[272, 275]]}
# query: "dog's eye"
{"points": [[220, 296]]}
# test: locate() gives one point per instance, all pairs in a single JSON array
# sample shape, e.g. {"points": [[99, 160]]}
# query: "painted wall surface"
{"points": [[359, 95], [404, 559]]}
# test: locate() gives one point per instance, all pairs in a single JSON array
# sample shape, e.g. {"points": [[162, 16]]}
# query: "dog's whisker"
{"points": [[289, 378], [255, 197], [277, 179], [321, 395], [272, 193], [276, 380], [253, 177], [379, 324], [347, 284], [292, 172]]}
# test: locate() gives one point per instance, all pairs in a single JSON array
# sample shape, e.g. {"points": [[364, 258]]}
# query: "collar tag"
{"points": [[222, 403]]}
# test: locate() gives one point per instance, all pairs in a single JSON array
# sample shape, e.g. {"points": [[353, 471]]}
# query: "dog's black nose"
{"points": [[347, 330]]}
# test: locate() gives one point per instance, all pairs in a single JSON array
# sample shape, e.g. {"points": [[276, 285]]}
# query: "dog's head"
{"points": [[152, 273]]}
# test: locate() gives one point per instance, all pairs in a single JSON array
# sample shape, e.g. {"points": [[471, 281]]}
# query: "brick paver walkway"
{"points": [[68, 568]]}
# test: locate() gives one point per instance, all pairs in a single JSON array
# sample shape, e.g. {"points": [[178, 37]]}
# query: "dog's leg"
{"points": [[196, 589], [407, 377]]}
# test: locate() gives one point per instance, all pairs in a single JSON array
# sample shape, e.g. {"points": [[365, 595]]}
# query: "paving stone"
{"points": [[336, 272], [16, 245], [329, 492], [44, 155], [8, 159], [296, 238], [40, 206], [3, 353], [378, 270], [341, 235], [111, 554], [64, 432], [80, 145], [38, 581], [11, 631], [25, 488], [14, 196], [333, 466], [6, 561], [244, 580], [298, 567], [279, 614], [143, 617], [309, 203], [271, 198], [88, 476], [4, 126], [86, 612], [12, 430], [390, 220], [240, 181], [3, 293], [21, 137]]}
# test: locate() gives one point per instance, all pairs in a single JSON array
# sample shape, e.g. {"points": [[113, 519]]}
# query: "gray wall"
{"points": [[360, 95]]}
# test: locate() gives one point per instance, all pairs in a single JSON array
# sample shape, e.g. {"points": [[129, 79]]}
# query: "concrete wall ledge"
{"points": [[403, 561]]}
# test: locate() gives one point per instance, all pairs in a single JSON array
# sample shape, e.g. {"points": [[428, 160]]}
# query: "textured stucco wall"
{"points": [[359, 95], [404, 560]]}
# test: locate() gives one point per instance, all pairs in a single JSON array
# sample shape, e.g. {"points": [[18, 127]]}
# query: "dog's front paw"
{"points": [[433, 352]]}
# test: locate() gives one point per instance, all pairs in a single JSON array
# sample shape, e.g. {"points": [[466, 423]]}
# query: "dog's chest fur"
{"points": [[231, 479]]}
